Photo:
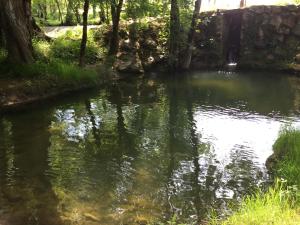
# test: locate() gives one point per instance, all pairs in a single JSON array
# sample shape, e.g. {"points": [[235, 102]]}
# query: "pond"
{"points": [[142, 150]]}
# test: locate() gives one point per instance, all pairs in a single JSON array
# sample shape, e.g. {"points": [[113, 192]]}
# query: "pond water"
{"points": [[143, 150]]}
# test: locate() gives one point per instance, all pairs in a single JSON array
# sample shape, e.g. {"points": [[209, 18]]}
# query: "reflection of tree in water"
{"points": [[197, 181], [242, 175], [130, 155], [27, 194], [187, 193]]}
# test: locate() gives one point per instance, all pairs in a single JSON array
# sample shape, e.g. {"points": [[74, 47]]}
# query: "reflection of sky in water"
{"points": [[229, 130]]}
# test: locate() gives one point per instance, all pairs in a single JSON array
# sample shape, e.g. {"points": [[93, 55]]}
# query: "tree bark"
{"points": [[70, 16], [191, 37], [59, 12], [94, 10], [84, 32], [1, 35], [115, 13], [174, 36], [77, 14], [102, 13], [17, 26]]}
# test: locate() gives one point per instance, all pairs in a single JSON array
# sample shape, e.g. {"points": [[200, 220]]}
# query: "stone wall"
{"points": [[266, 37]]}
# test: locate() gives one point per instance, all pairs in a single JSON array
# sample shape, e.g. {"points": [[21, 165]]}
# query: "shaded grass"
{"points": [[280, 204], [55, 69]]}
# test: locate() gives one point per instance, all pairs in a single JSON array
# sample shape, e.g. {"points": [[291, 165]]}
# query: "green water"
{"points": [[140, 151]]}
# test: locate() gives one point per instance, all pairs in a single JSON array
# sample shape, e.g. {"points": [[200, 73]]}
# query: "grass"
{"points": [[67, 47], [279, 205], [57, 59], [43, 70], [287, 151]]}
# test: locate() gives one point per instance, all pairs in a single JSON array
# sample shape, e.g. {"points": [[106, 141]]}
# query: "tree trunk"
{"points": [[174, 36], [38, 32], [190, 41], [94, 10], [84, 32], [102, 13], [77, 14], [1, 35], [17, 26], [59, 11], [115, 13], [70, 16], [107, 12]]}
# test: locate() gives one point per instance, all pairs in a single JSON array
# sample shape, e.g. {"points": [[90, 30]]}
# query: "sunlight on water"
{"points": [[141, 151]]}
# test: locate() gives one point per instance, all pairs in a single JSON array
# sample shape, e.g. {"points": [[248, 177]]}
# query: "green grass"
{"points": [[54, 70], [67, 47], [279, 205], [287, 151]]}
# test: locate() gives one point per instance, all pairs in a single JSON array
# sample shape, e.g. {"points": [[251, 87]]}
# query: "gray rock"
{"points": [[289, 21], [297, 58], [292, 8], [283, 30], [296, 30], [270, 57], [276, 9], [276, 21], [129, 63]]}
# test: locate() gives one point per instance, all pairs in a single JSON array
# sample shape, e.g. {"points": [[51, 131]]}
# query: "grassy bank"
{"points": [[280, 204], [55, 70]]}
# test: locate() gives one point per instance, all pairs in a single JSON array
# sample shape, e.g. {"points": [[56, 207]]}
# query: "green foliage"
{"points": [[287, 2], [287, 150], [67, 48]]}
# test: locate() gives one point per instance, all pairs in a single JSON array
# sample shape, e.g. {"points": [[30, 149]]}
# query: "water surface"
{"points": [[139, 151]]}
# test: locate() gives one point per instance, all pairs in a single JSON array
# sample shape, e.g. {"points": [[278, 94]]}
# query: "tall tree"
{"points": [[17, 26], [191, 37], [59, 11], [84, 31], [70, 14], [116, 8], [174, 35]]}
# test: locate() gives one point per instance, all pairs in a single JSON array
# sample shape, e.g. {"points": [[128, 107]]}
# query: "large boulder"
{"points": [[129, 63]]}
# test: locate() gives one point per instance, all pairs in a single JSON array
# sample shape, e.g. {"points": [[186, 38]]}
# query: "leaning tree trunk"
{"points": [[84, 32], [17, 27], [115, 13], [174, 36], [191, 38]]}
